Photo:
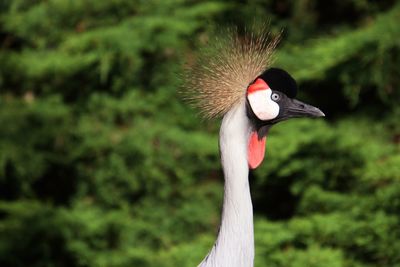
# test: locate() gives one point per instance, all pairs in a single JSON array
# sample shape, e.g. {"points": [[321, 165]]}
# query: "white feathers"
{"points": [[235, 243]]}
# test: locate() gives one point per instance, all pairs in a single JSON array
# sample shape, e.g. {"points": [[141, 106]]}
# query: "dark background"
{"points": [[102, 164]]}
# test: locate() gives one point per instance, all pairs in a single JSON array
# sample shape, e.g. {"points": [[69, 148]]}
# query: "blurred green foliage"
{"points": [[101, 164]]}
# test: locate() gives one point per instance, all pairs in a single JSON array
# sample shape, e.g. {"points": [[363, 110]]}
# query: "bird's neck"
{"points": [[235, 242]]}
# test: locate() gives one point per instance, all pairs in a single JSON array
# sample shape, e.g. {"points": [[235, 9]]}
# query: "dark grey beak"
{"points": [[289, 108], [297, 109]]}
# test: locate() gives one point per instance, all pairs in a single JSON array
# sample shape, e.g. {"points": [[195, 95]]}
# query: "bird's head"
{"points": [[269, 100], [237, 72]]}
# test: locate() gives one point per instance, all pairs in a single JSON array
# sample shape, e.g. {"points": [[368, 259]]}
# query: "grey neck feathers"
{"points": [[235, 243]]}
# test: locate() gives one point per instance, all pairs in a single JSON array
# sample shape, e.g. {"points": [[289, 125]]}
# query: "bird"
{"points": [[233, 78]]}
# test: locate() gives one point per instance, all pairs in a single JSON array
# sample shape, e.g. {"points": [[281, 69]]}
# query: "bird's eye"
{"points": [[275, 97]]}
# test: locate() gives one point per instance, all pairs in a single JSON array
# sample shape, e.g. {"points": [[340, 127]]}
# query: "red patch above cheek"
{"points": [[258, 85], [256, 150]]}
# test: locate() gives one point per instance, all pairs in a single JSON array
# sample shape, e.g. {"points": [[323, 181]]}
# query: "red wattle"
{"points": [[256, 150]]}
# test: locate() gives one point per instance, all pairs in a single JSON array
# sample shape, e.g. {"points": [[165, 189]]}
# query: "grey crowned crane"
{"points": [[234, 79]]}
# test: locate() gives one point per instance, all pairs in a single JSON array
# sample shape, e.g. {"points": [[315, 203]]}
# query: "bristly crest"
{"points": [[220, 76]]}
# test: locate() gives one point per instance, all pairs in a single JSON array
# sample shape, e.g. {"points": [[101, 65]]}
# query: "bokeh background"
{"points": [[102, 164]]}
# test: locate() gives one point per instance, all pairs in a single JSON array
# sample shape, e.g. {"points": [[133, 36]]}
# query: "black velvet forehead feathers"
{"points": [[281, 81]]}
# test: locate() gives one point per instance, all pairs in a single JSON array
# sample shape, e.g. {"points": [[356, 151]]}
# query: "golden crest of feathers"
{"points": [[224, 69]]}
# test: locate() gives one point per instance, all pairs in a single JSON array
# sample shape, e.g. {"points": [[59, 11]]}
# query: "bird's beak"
{"points": [[297, 109], [289, 108]]}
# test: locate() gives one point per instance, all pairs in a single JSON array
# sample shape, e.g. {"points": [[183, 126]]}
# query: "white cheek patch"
{"points": [[262, 105]]}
